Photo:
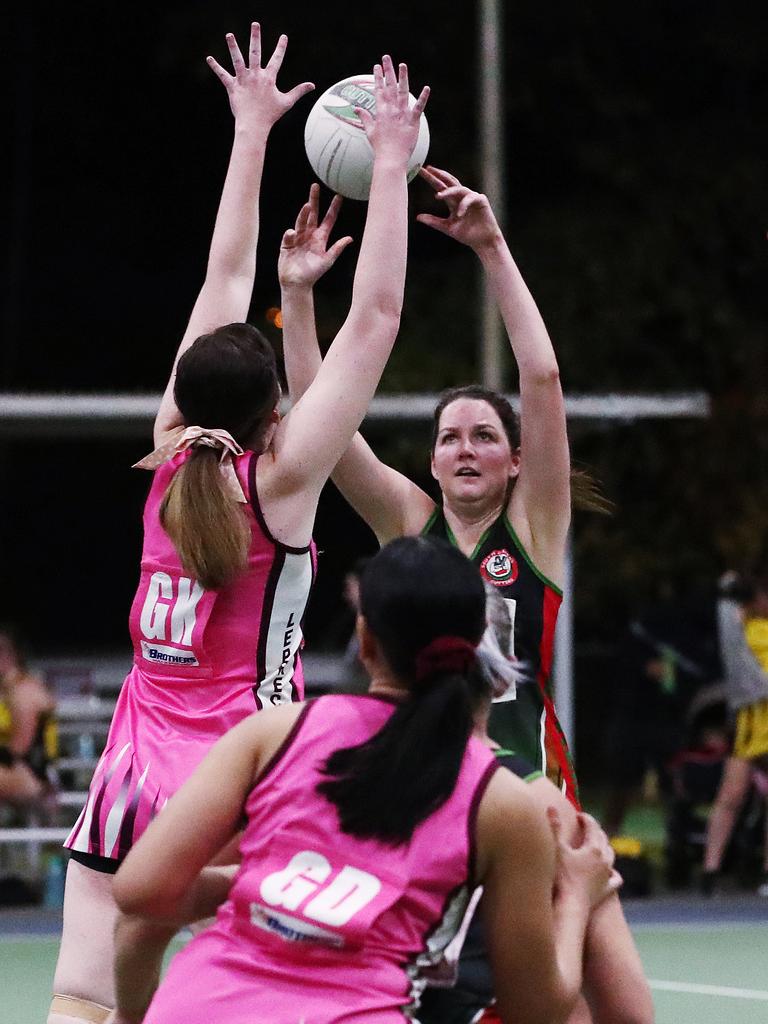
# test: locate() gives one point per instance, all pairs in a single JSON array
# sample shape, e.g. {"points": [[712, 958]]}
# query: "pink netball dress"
{"points": [[203, 661], [322, 927]]}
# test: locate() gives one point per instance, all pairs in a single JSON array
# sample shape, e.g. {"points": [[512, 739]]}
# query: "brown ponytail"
{"points": [[586, 495], [207, 527]]}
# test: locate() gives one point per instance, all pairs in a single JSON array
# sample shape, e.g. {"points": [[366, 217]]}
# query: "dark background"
{"points": [[636, 172]]}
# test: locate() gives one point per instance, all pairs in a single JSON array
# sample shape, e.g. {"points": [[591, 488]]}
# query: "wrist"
{"points": [[391, 158], [572, 902], [297, 290], [492, 248], [248, 129]]}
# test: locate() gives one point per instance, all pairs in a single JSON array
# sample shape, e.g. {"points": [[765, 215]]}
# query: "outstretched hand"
{"points": [[588, 867], [395, 126], [470, 218], [253, 94], [304, 252]]}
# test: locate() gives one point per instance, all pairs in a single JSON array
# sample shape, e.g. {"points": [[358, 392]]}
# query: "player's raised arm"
{"points": [[315, 434], [542, 491], [380, 494], [225, 296], [306, 253]]}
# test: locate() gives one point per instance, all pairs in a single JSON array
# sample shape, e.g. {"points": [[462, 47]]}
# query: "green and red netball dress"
{"points": [[527, 724]]}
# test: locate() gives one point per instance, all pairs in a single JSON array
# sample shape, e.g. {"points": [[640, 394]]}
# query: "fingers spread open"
{"points": [[276, 60], [331, 214], [444, 176], [402, 81], [431, 178], [438, 223], [389, 70], [338, 247], [467, 201], [298, 91], [254, 57], [218, 70], [421, 102], [303, 218], [234, 52]]}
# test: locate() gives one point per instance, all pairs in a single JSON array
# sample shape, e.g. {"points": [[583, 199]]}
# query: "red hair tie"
{"points": [[444, 654]]}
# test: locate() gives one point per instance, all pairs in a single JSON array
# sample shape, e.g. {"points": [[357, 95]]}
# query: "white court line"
{"points": [[727, 924], [709, 990]]}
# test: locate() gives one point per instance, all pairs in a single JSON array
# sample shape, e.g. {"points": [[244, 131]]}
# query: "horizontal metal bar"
{"points": [[105, 415]]}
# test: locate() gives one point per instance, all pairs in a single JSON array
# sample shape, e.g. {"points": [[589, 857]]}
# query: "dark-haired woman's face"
{"points": [[472, 459]]}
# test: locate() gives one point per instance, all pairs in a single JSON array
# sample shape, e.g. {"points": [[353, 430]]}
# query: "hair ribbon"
{"points": [[445, 654], [183, 438]]}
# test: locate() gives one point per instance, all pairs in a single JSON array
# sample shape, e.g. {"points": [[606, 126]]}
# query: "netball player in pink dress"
{"points": [[227, 559], [370, 818]]}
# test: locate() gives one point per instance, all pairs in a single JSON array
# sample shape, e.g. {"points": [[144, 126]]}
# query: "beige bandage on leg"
{"points": [[79, 1009]]}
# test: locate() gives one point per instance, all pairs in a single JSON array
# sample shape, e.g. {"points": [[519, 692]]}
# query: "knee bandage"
{"points": [[80, 1009]]}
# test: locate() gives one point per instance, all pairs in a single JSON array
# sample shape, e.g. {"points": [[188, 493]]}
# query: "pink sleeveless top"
{"points": [[203, 660], [323, 927]]}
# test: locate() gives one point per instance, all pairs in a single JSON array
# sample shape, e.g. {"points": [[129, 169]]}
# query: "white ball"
{"points": [[335, 140]]}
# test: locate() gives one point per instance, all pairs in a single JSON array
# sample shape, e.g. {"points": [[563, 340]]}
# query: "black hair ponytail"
{"points": [[425, 604]]}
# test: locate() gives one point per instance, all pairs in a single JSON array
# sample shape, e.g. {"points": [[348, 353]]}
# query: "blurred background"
{"points": [[635, 165]]}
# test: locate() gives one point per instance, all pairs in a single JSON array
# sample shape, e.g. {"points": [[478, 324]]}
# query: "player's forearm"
{"points": [[301, 351], [380, 275], [139, 949], [226, 292], [141, 940], [571, 915], [528, 336], [209, 890], [235, 234]]}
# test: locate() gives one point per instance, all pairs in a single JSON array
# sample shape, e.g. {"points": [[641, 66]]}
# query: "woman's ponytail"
{"points": [[424, 603], [206, 525], [227, 380]]}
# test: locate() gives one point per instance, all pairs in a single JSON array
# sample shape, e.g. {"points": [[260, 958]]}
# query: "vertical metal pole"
{"points": [[491, 124], [563, 668]]}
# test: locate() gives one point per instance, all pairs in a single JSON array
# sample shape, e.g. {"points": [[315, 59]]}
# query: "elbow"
{"points": [[139, 898], [383, 307], [384, 319], [547, 376], [131, 900]]}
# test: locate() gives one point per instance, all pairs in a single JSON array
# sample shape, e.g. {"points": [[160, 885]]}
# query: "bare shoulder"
{"points": [[271, 722], [266, 731]]}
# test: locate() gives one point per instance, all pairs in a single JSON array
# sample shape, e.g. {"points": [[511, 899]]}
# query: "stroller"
{"points": [[695, 773]]}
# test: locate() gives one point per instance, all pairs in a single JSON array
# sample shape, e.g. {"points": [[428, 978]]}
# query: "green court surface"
{"points": [[707, 974], [700, 972]]}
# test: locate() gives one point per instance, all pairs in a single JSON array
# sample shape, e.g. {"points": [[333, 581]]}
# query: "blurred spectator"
{"points": [[353, 678], [666, 656], [743, 629], [27, 727]]}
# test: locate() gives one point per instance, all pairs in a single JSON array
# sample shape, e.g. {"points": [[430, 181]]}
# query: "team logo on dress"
{"points": [[500, 568]]}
